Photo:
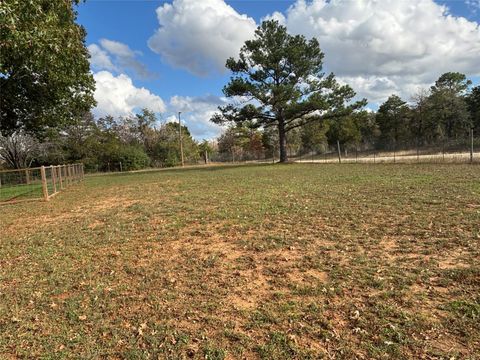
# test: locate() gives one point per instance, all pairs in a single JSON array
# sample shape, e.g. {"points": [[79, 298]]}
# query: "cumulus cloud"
{"points": [[116, 56], [99, 58], [196, 114], [117, 48], [117, 96], [380, 47], [199, 36]]}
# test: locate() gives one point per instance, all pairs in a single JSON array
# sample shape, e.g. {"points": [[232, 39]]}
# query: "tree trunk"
{"points": [[283, 142]]}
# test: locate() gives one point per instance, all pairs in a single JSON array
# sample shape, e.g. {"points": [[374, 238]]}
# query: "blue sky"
{"points": [[172, 61], [133, 22]]}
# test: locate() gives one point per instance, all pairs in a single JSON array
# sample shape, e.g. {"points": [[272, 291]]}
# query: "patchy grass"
{"points": [[266, 262]]}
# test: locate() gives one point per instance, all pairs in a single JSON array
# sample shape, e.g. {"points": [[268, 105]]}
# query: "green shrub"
{"points": [[132, 158]]}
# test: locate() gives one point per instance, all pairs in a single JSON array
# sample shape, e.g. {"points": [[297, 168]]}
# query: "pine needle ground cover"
{"points": [[256, 262]]}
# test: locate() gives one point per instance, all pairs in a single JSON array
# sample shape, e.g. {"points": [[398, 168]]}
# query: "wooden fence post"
{"points": [[27, 177], [44, 183], [59, 169], [54, 180]]}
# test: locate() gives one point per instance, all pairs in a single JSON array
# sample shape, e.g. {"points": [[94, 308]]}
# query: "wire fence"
{"points": [[459, 150], [41, 183], [451, 151]]}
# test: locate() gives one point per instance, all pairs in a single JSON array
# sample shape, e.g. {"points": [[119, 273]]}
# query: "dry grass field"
{"points": [[299, 261]]}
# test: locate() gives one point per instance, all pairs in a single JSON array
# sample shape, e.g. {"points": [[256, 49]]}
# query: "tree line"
{"points": [[107, 144], [280, 78], [282, 103], [442, 115]]}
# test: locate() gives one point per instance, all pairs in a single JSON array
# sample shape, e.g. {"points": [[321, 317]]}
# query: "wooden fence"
{"points": [[41, 183]]}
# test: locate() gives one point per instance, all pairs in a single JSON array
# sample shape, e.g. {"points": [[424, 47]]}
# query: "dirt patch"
{"points": [[254, 290], [34, 222], [96, 224], [452, 260], [105, 204]]}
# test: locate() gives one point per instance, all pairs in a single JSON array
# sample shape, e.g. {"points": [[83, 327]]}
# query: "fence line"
{"points": [[40, 183], [460, 150]]}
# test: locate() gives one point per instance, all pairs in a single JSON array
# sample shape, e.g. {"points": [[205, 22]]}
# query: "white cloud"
{"points": [[117, 96], [117, 48], [388, 46], [200, 35], [123, 58], [196, 114], [473, 5], [278, 16], [99, 58]]}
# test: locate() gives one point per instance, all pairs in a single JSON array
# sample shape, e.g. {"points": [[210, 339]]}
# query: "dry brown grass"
{"points": [[273, 262]]}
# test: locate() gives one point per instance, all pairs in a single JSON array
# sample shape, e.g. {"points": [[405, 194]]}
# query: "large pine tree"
{"points": [[279, 81]]}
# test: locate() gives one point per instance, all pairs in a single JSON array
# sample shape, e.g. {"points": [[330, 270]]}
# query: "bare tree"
{"points": [[19, 149]]}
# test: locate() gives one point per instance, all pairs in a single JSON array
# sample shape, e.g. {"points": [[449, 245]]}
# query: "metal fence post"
{"points": [[471, 145], [395, 153], [418, 152], [339, 154]]}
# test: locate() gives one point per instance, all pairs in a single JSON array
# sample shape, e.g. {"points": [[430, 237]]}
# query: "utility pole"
{"points": [[180, 135]]}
